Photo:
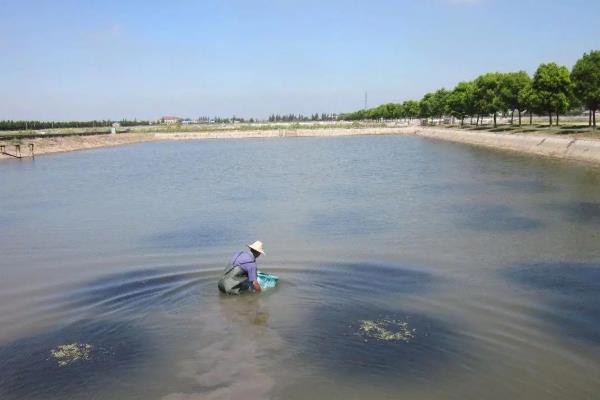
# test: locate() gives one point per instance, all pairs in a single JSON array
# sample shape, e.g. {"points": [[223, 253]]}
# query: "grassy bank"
{"points": [[571, 129]]}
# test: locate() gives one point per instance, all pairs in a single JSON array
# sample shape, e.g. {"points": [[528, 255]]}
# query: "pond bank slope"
{"points": [[565, 147]]}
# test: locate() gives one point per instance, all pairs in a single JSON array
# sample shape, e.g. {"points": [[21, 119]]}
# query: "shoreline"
{"points": [[65, 144], [560, 147]]}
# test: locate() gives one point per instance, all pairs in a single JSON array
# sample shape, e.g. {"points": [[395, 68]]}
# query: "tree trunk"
{"points": [[557, 118], [495, 125], [512, 117], [530, 117], [594, 119], [462, 121], [519, 117], [550, 116], [590, 121], [471, 122], [477, 123]]}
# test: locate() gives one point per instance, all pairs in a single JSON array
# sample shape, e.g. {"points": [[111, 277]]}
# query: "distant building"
{"points": [[170, 120]]}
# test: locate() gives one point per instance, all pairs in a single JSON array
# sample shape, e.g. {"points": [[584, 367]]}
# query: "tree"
{"points": [[426, 106], [411, 109], [399, 111], [586, 83], [460, 101], [487, 94], [531, 102], [552, 87], [439, 103], [513, 92]]}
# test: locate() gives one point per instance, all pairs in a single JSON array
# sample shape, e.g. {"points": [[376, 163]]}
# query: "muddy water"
{"points": [[476, 273]]}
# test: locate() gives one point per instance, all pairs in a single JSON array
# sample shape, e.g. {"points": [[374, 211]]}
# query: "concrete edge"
{"points": [[567, 148]]}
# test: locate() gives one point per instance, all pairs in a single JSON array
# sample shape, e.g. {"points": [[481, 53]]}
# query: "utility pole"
{"points": [[366, 99]]}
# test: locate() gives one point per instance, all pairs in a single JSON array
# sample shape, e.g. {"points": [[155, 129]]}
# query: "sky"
{"points": [[82, 60]]}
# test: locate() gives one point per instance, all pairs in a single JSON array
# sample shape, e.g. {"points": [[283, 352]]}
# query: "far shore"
{"points": [[568, 146], [75, 142]]}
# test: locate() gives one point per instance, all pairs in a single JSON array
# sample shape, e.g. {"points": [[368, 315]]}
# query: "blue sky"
{"points": [[114, 59]]}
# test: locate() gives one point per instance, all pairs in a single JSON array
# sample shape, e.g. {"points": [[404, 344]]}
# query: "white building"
{"points": [[170, 120]]}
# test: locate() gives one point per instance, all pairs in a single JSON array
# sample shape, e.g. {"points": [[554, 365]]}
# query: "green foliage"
{"points": [[487, 94], [411, 109], [552, 88], [460, 101], [514, 88], [439, 103], [551, 91], [36, 125], [298, 118], [426, 105], [586, 80]]}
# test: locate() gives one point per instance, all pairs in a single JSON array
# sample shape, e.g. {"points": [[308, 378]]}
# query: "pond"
{"points": [[408, 268]]}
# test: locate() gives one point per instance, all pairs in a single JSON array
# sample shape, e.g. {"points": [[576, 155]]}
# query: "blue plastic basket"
{"points": [[267, 281]]}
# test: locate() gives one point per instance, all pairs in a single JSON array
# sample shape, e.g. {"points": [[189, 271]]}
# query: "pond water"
{"points": [[409, 268]]}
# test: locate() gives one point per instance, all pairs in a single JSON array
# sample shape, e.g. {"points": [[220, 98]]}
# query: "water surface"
{"points": [[490, 259]]}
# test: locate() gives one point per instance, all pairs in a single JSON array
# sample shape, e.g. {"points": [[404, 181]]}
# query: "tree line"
{"points": [[9, 125], [302, 118], [553, 91]]}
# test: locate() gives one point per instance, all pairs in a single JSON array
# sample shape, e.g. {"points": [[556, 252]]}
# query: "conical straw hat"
{"points": [[258, 246]]}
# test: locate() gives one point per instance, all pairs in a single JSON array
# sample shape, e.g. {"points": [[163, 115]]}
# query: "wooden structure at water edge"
{"points": [[17, 151]]}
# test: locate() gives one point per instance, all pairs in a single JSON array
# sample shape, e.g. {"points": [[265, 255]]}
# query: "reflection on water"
{"points": [[30, 371], [496, 218], [581, 212], [458, 249], [330, 337], [572, 291], [335, 343], [194, 238]]}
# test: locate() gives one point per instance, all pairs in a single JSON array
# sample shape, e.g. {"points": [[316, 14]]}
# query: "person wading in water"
{"points": [[241, 274]]}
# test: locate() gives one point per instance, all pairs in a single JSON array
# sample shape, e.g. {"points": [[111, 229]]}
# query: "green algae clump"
{"points": [[68, 353], [387, 330]]}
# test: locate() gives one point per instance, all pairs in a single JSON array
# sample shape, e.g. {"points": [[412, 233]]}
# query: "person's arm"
{"points": [[252, 276]]}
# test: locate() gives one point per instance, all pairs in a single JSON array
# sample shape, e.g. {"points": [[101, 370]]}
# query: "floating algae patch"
{"points": [[389, 330], [354, 339], [66, 354], [352, 330], [73, 361]]}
